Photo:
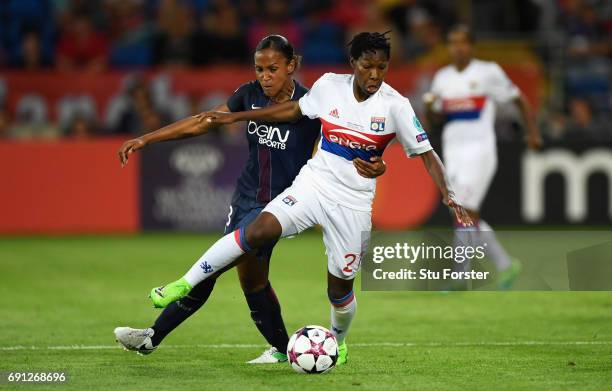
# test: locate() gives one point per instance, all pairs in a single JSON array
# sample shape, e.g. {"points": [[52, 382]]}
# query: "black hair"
{"points": [[369, 42], [281, 45], [462, 28]]}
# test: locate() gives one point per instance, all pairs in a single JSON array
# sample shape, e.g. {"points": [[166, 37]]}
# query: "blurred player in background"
{"points": [[276, 154], [360, 115], [463, 97]]}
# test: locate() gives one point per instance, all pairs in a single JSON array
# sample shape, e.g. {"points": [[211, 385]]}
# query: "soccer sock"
{"points": [[342, 313], [219, 255], [464, 236], [479, 235], [266, 314], [175, 313], [494, 249]]}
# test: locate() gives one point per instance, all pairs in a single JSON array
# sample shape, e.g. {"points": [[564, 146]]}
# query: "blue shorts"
{"points": [[243, 211]]}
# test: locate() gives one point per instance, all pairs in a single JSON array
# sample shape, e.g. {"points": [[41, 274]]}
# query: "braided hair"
{"points": [[369, 42]]}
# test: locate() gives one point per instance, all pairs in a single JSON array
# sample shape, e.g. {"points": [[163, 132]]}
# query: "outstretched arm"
{"points": [[188, 127], [534, 139], [283, 112], [434, 166]]}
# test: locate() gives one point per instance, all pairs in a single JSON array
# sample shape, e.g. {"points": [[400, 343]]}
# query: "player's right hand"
{"points": [[216, 117], [461, 214], [128, 148]]}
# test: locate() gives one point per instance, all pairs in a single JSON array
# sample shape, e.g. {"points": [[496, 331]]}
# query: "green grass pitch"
{"points": [[61, 297]]}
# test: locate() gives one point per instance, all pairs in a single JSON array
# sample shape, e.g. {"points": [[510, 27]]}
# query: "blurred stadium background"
{"points": [[79, 76]]}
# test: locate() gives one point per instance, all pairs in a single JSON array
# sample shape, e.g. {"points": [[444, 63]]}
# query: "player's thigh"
{"points": [[470, 172], [346, 235], [297, 208]]}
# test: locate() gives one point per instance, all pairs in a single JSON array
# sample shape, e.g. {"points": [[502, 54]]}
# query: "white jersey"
{"points": [[468, 98], [352, 129]]}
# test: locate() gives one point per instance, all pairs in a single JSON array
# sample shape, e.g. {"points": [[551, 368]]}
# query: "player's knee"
{"points": [[340, 297], [265, 230]]}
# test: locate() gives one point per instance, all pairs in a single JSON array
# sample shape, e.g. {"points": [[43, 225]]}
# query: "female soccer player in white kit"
{"points": [[360, 115], [463, 95]]}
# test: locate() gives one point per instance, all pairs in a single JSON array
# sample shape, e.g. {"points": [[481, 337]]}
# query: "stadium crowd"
{"points": [[570, 39]]}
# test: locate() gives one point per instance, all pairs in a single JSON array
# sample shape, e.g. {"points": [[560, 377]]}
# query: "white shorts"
{"points": [[346, 231], [470, 170]]}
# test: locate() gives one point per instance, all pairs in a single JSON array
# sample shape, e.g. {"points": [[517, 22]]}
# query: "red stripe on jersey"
{"points": [[470, 103], [264, 190], [380, 141]]}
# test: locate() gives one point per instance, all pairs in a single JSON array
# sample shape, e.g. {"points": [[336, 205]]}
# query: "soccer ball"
{"points": [[312, 349]]}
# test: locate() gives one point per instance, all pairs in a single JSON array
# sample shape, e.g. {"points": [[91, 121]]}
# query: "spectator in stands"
{"points": [[81, 128], [221, 38], [140, 114], [584, 123], [424, 42], [174, 42], [374, 19], [131, 33], [31, 56], [589, 50], [81, 47], [587, 34], [275, 19]]}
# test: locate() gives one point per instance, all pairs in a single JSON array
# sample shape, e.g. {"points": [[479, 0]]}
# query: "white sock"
{"points": [[219, 255], [464, 236], [494, 249], [342, 313]]}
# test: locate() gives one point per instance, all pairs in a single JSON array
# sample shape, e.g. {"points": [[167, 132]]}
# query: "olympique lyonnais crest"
{"points": [[289, 200], [377, 124]]}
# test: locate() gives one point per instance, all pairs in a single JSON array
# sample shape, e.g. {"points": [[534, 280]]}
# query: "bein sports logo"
{"points": [[269, 136], [206, 267]]}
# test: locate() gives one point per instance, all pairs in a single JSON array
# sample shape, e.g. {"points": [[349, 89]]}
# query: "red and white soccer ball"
{"points": [[312, 349]]}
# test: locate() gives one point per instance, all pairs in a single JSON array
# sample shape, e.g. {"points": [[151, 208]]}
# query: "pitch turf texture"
{"points": [[61, 297]]}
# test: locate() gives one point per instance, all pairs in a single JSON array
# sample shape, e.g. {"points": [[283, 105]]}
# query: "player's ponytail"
{"points": [[281, 45]]}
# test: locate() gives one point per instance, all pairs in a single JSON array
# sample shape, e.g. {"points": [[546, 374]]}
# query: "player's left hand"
{"points": [[461, 214], [372, 169], [534, 140]]}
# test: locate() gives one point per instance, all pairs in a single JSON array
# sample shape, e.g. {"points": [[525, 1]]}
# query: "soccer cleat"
{"points": [[509, 276], [342, 354], [138, 340], [269, 356], [164, 295]]}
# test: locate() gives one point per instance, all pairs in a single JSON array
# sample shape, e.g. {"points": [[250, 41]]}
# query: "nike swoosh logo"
{"points": [[255, 107]]}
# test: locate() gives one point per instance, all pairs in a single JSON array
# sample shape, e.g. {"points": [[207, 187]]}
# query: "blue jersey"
{"points": [[277, 151]]}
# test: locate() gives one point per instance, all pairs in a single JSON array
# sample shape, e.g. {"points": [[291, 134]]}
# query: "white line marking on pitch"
{"points": [[378, 344]]}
